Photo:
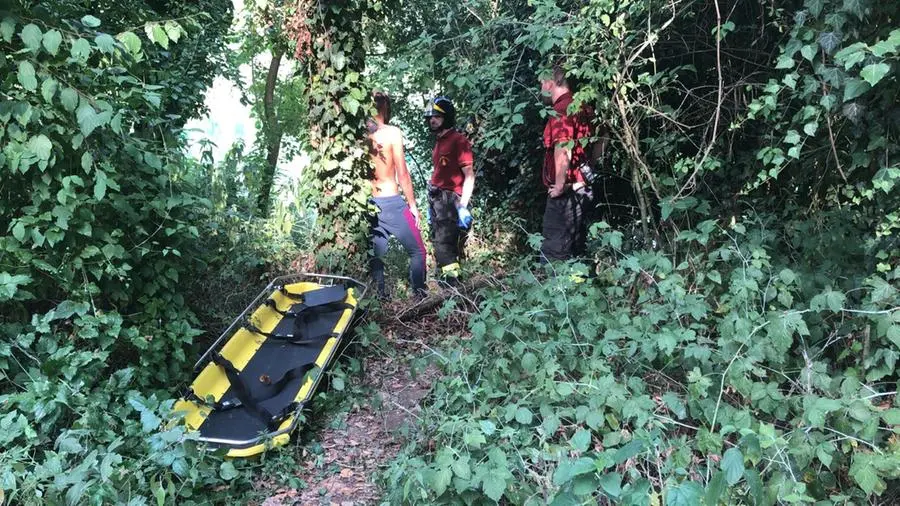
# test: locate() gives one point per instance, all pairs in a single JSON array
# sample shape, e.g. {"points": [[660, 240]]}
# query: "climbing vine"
{"points": [[338, 107]]}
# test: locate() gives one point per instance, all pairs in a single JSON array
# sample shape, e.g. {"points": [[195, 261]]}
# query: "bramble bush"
{"points": [[712, 376]]}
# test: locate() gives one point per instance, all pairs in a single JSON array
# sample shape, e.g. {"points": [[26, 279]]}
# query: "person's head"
{"points": [[440, 114], [555, 84], [382, 105]]}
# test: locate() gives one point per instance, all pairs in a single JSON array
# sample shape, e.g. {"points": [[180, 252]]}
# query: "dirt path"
{"points": [[373, 431]]}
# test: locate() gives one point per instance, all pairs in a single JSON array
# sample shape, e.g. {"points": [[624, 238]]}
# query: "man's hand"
{"points": [[556, 191], [465, 218], [415, 214]]}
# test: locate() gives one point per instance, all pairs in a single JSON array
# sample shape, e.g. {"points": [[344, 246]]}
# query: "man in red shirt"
{"points": [[565, 136], [451, 186]]}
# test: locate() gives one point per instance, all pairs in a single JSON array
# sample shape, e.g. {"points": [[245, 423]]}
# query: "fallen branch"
{"points": [[433, 301]]}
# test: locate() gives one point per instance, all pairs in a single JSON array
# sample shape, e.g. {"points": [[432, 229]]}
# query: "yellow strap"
{"points": [[438, 108]]}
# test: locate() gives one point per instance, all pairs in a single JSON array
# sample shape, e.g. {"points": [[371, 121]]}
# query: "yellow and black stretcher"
{"points": [[259, 374]]}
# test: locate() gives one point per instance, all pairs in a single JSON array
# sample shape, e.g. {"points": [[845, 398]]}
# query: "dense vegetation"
{"points": [[732, 337]]}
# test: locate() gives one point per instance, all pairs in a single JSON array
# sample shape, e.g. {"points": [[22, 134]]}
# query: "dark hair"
{"points": [[383, 105], [561, 78]]}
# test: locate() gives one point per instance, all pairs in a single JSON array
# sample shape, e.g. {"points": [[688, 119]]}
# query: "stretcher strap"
{"points": [[244, 397], [303, 310], [292, 338], [301, 320], [319, 297], [223, 405]]}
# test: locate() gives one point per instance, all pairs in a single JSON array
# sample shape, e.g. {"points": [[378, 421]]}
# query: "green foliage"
{"points": [[100, 232], [654, 381], [338, 106]]}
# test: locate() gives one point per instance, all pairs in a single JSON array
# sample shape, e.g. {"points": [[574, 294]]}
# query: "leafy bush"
{"points": [[714, 375], [100, 229]]}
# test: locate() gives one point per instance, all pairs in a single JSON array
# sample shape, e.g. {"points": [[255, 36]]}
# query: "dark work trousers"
{"points": [[446, 236], [564, 227], [394, 218]]}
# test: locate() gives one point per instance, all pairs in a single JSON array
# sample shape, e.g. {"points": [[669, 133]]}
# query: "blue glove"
{"points": [[465, 218]]}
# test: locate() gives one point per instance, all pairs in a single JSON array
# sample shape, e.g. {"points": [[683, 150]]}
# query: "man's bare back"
{"points": [[386, 144]]}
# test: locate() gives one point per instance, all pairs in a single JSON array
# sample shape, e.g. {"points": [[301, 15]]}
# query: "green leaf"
{"points": [[18, 231], [69, 99], [784, 62], [227, 471], [157, 34], [811, 128], [674, 403], [829, 41], [808, 51], [487, 427], [90, 21], [787, 276], [7, 29], [10, 284], [131, 42], [851, 55], [824, 452], [568, 469], [863, 472], [41, 146], [883, 47], [581, 440], [440, 480], [855, 87], [87, 161], [461, 467], [89, 120], [714, 489], [524, 416], [818, 407], [529, 362], [494, 484], [105, 43], [173, 31], [31, 35], [338, 60], [891, 416], [815, 7], [52, 40], [26, 76], [733, 465], [874, 73], [80, 51], [611, 483], [687, 493], [48, 89], [854, 7], [630, 450], [149, 420]]}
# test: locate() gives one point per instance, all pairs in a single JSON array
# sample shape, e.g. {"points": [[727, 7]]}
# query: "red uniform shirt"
{"points": [[452, 152], [562, 129]]}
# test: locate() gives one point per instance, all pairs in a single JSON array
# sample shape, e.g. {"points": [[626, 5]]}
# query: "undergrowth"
{"points": [[717, 375]]}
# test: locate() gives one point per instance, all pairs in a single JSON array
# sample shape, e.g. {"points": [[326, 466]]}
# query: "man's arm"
{"points": [[468, 185], [562, 157], [402, 171]]}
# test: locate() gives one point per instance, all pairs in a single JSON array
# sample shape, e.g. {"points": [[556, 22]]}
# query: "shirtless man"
{"points": [[395, 216]]}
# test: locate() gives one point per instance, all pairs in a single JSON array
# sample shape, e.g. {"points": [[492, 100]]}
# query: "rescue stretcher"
{"points": [[256, 378]]}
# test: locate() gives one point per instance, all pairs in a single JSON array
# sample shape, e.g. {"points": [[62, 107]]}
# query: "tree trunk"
{"points": [[272, 133]]}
